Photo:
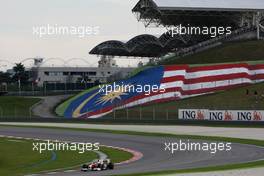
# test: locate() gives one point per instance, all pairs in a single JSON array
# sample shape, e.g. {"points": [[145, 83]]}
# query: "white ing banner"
{"points": [[220, 115], [193, 114]]}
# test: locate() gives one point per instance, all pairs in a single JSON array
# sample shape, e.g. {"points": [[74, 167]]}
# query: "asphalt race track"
{"points": [[154, 159]]}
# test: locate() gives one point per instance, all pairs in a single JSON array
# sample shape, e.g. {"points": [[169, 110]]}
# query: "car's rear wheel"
{"points": [[111, 166]]}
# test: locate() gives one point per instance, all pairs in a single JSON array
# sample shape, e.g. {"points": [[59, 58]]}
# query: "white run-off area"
{"points": [[244, 172], [244, 133]]}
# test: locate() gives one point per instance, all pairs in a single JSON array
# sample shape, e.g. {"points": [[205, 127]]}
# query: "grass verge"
{"points": [[16, 106], [229, 52], [116, 156], [18, 158]]}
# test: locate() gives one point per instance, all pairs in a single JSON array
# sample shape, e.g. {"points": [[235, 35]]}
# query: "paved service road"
{"points": [[154, 159], [45, 108]]}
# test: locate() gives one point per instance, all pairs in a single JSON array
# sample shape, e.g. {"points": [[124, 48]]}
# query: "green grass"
{"points": [[234, 99], [18, 158], [116, 156], [16, 106], [138, 70], [229, 52]]}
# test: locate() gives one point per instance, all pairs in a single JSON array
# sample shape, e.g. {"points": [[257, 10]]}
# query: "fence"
{"points": [[47, 89]]}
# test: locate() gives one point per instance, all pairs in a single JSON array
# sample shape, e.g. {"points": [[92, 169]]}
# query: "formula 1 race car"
{"points": [[98, 165]]}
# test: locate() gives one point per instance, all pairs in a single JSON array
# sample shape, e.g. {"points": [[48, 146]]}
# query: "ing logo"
{"points": [[228, 116], [257, 116], [200, 115]]}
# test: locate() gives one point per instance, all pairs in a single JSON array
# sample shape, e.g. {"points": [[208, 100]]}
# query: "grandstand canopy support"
{"points": [[198, 12], [259, 23]]}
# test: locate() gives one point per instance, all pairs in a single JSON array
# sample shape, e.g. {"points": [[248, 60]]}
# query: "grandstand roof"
{"points": [[211, 4], [146, 45], [197, 12]]}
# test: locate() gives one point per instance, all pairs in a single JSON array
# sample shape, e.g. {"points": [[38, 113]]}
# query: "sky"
{"points": [[19, 18]]}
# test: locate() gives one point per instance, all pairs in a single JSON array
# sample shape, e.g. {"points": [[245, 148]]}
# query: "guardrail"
{"points": [[135, 122]]}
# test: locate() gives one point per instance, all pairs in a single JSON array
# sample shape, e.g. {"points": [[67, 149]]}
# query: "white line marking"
{"points": [[68, 171], [51, 173]]}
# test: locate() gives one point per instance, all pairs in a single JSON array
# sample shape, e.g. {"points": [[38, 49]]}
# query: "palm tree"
{"points": [[20, 73]]}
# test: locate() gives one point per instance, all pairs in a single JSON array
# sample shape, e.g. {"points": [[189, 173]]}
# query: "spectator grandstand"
{"points": [[239, 34], [245, 19]]}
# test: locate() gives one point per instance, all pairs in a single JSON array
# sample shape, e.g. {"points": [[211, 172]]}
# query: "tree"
{"points": [[5, 77], [20, 74]]}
